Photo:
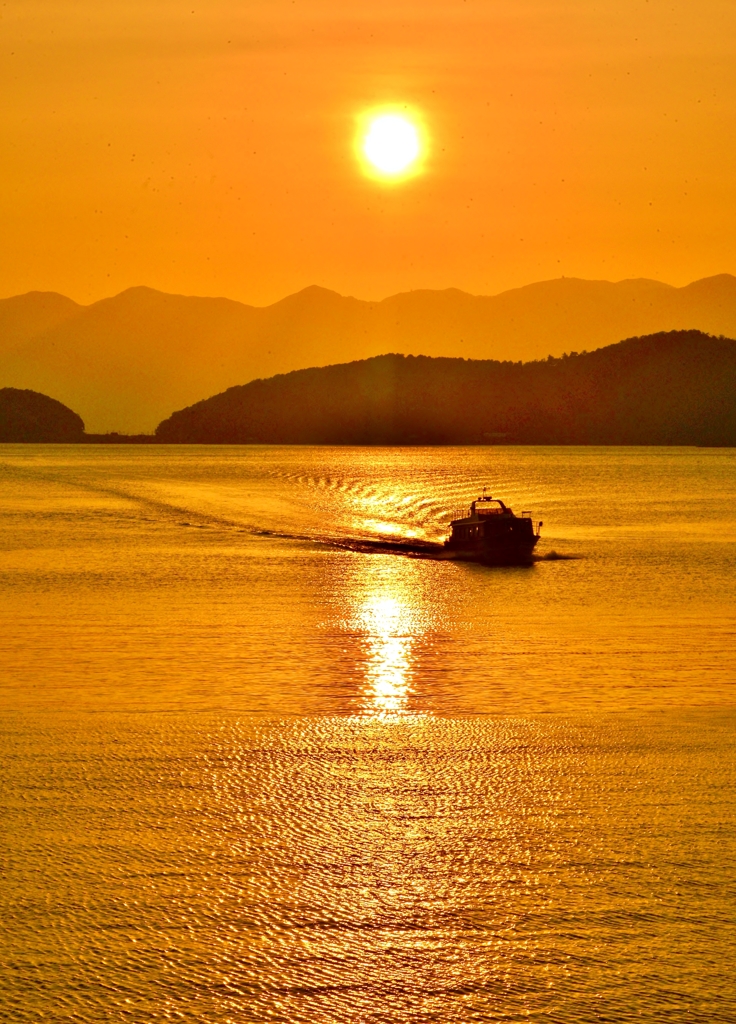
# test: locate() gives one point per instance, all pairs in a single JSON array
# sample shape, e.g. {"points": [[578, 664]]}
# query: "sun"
{"points": [[391, 144]]}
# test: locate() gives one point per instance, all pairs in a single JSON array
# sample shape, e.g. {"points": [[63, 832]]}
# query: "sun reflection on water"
{"points": [[387, 624], [391, 618]]}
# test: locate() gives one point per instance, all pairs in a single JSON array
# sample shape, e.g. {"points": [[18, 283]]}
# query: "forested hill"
{"points": [[670, 388], [26, 416]]}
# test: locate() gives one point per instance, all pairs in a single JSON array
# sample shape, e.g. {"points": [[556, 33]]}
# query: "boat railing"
{"points": [[460, 513]]}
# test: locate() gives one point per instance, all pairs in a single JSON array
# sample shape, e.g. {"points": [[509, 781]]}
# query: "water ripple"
{"points": [[367, 869]]}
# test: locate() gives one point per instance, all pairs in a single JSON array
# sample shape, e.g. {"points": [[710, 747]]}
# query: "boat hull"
{"points": [[509, 551]]}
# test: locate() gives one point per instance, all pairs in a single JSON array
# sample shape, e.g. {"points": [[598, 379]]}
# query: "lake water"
{"points": [[255, 768]]}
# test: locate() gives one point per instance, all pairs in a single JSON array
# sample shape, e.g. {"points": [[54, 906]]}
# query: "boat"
{"points": [[491, 533]]}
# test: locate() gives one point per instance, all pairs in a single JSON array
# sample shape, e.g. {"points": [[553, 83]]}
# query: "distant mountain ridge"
{"points": [[125, 362], [668, 388], [24, 317]]}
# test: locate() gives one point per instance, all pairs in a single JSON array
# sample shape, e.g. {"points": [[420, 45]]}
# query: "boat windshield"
{"points": [[489, 508]]}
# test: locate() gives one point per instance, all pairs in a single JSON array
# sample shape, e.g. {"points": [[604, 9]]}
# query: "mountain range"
{"points": [[124, 363]]}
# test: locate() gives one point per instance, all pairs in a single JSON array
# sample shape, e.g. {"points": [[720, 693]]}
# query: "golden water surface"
{"points": [[253, 770]]}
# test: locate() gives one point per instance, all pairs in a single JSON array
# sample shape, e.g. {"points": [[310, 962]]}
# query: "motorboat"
{"points": [[492, 533]]}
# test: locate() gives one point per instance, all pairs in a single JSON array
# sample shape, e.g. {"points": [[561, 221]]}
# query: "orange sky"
{"points": [[208, 148]]}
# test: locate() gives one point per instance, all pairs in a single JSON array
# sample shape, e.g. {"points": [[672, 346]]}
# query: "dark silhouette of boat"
{"points": [[491, 533]]}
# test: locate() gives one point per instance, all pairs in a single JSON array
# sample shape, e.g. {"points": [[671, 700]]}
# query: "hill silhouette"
{"points": [[127, 361], [27, 416], [668, 388]]}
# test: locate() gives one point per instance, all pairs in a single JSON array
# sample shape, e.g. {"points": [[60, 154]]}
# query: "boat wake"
{"points": [[365, 545], [388, 546], [424, 549], [408, 548]]}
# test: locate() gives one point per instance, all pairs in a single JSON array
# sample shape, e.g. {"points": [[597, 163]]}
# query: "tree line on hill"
{"points": [[27, 416], [670, 388]]}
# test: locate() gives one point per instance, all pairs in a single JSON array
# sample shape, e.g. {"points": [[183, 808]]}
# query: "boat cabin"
{"points": [[491, 531], [472, 526]]}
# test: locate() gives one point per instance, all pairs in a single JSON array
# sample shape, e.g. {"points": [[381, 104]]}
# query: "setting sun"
{"points": [[390, 145]]}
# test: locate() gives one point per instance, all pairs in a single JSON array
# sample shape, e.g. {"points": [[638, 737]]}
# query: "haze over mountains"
{"points": [[125, 363]]}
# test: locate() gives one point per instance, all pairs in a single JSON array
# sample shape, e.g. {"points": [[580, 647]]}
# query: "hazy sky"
{"points": [[208, 148]]}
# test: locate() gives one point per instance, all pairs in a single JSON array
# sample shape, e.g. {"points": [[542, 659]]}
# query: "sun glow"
{"points": [[391, 144]]}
